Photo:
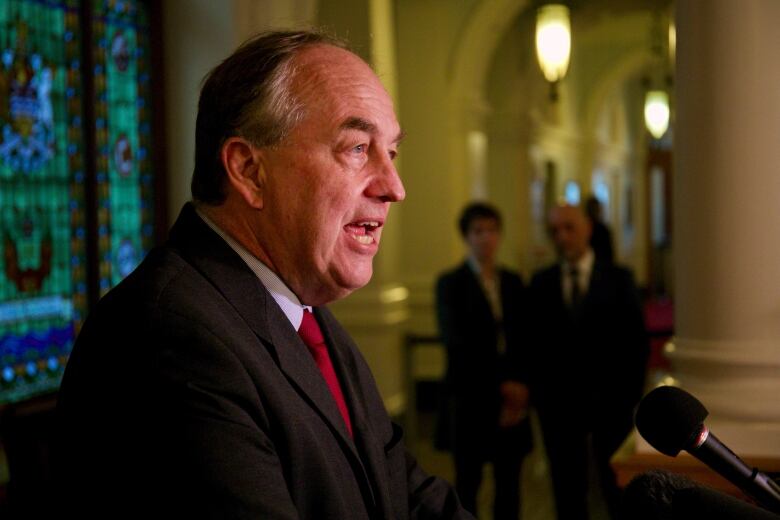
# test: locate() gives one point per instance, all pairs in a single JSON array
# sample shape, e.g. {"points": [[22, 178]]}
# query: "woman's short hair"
{"points": [[477, 210]]}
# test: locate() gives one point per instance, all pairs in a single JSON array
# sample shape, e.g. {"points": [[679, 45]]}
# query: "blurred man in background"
{"points": [[588, 350], [481, 312]]}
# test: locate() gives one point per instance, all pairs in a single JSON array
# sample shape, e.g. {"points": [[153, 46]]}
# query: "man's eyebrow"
{"points": [[358, 123]]}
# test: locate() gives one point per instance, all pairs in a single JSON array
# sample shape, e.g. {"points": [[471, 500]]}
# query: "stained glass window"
{"points": [[51, 165], [124, 177], [42, 276]]}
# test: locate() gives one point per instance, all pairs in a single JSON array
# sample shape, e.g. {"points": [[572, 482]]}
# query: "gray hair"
{"points": [[248, 95]]}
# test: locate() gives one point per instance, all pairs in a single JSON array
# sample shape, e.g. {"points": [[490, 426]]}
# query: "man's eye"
{"points": [[361, 148]]}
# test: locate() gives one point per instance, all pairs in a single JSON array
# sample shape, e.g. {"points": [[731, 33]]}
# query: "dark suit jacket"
{"points": [[189, 393], [475, 370], [588, 367], [601, 242]]}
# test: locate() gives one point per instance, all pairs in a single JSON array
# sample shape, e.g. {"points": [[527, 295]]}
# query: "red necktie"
{"points": [[311, 335]]}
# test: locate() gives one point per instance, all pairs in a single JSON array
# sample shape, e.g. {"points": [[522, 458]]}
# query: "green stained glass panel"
{"points": [[124, 176], [42, 221]]}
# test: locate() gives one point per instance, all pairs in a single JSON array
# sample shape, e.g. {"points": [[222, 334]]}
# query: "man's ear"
{"points": [[241, 161]]}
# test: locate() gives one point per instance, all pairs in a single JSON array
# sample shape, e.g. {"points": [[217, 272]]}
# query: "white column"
{"points": [[187, 60], [727, 217]]}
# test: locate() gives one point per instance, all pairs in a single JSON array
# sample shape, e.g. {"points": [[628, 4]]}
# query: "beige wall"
{"points": [[433, 184], [193, 44]]}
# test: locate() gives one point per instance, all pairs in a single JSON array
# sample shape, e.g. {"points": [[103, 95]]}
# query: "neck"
{"points": [[487, 267], [237, 226], [576, 259]]}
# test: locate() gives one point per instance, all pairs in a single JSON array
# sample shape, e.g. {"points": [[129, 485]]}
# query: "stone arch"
{"points": [[467, 69], [470, 59], [632, 64]]}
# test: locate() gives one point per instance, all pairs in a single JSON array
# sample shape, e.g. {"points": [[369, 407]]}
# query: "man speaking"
{"points": [[211, 383]]}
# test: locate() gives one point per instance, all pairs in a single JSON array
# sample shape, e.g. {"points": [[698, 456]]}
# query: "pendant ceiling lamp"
{"points": [[657, 107], [657, 112], [553, 43]]}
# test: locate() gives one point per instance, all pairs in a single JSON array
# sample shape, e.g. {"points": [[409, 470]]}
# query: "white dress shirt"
{"points": [[584, 268], [491, 287], [284, 297]]}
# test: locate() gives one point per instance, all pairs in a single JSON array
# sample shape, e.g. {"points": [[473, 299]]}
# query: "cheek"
{"points": [[327, 218]]}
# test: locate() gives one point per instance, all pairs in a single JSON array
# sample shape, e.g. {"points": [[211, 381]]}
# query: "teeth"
{"points": [[364, 239], [370, 223]]}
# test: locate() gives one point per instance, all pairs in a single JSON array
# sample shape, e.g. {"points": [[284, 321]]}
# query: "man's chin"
{"points": [[355, 280], [338, 286], [569, 256]]}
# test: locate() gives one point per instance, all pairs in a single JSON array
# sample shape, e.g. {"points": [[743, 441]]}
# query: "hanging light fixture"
{"points": [[553, 43], [657, 112], [658, 84]]}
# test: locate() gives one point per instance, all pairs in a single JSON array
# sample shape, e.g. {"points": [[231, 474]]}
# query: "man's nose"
{"points": [[386, 184]]}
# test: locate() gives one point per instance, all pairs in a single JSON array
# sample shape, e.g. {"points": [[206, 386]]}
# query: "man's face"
{"points": [[570, 232], [329, 184], [482, 237]]}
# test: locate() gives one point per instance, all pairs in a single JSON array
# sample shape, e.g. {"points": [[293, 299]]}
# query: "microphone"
{"points": [[671, 419], [661, 495]]}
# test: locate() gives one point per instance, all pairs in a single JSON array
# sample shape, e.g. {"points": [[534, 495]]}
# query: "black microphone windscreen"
{"points": [[650, 495], [701, 502], [670, 419]]}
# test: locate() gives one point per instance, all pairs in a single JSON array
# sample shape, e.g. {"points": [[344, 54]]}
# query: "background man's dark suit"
{"points": [[190, 393], [468, 422], [587, 375]]}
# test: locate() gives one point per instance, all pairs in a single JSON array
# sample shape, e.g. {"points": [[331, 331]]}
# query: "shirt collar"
{"points": [[474, 265], [584, 265], [284, 297]]}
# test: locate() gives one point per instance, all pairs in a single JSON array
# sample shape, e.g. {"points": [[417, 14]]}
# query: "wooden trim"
{"points": [[155, 13], [687, 466], [90, 154]]}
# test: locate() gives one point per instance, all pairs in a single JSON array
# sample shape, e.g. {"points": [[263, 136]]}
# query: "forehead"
{"points": [[567, 216], [335, 83], [483, 221]]}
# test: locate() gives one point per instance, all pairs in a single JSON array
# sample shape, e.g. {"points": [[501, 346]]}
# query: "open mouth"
{"points": [[363, 231]]}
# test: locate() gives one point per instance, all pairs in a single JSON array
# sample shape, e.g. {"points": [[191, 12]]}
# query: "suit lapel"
{"points": [[475, 291], [591, 295], [214, 259], [507, 297], [299, 367], [343, 361], [596, 276], [371, 445], [557, 292], [210, 255], [595, 286]]}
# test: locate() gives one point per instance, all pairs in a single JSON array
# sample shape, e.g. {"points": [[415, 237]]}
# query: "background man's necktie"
{"points": [[576, 292], [311, 335]]}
